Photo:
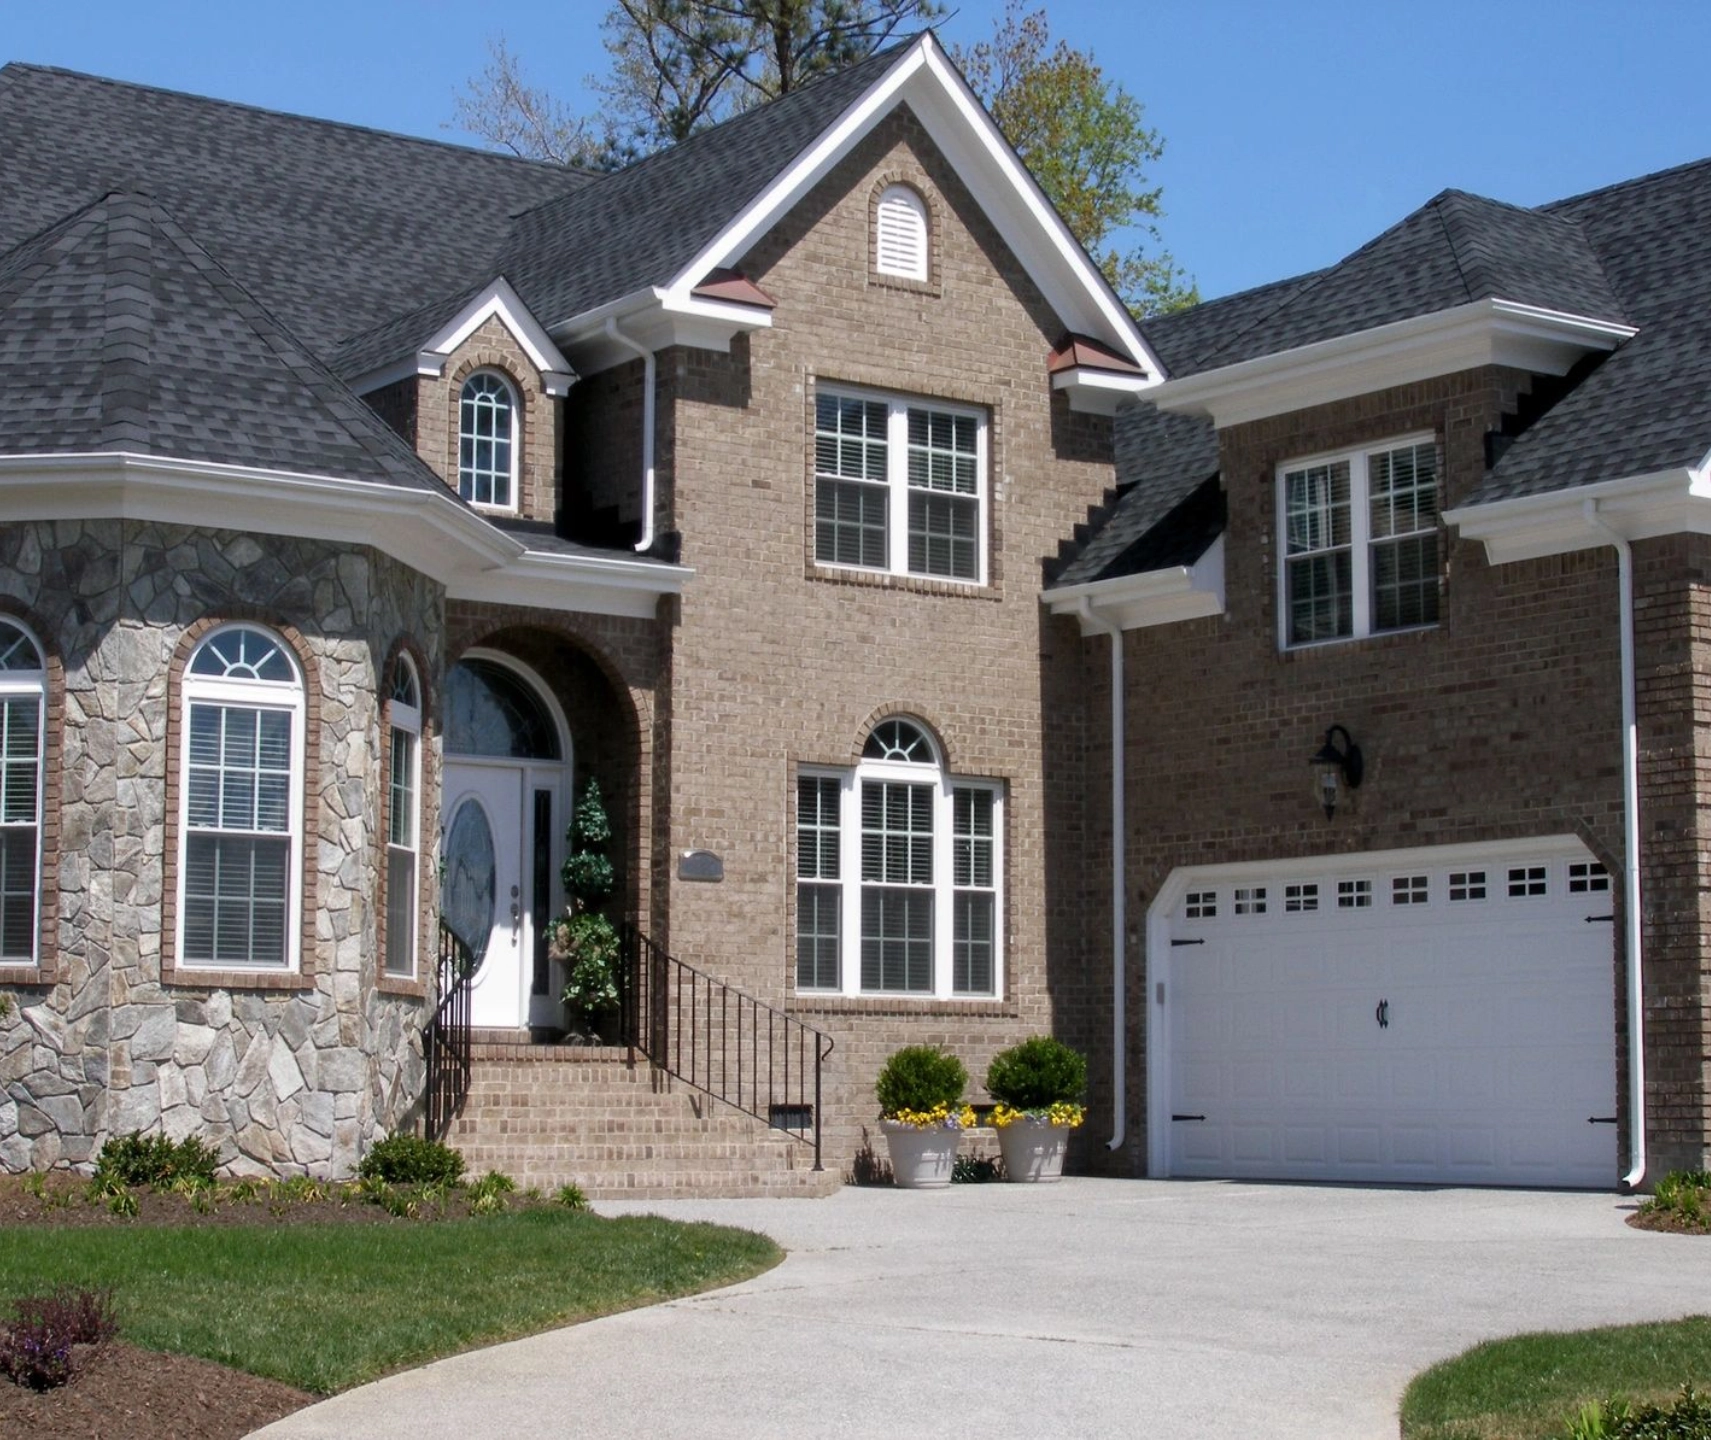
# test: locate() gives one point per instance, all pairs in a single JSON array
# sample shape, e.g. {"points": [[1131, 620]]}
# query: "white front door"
{"points": [[1433, 1015], [483, 889]]}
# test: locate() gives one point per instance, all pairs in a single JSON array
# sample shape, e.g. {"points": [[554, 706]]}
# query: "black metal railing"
{"points": [[719, 1040], [445, 1043]]}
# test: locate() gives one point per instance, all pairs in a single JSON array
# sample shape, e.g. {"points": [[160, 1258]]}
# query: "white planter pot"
{"points": [[921, 1159], [1033, 1149]]}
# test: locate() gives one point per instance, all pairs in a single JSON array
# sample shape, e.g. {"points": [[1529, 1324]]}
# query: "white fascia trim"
{"points": [[984, 161], [500, 300], [1100, 392], [657, 319], [1159, 597], [427, 530], [1484, 332], [1638, 507]]}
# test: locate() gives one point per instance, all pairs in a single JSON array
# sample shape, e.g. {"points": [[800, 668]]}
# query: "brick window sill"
{"points": [[184, 978]]}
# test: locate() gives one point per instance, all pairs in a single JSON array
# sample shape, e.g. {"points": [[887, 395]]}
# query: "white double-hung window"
{"points": [[23, 694], [1361, 542], [241, 798], [900, 485], [403, 819], [898, 874]]}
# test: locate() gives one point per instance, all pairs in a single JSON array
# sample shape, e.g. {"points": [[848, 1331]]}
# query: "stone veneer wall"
{"points": [[286, 1080]]}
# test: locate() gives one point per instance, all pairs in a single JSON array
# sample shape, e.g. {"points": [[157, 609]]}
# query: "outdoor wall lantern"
{"points": [[1333, 769]]}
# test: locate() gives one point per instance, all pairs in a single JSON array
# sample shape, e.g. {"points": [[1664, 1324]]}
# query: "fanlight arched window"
{"points": [[487, 441], [491, 710], [900, 238], [403, 818], [898, 874], [241, 802], [23, 699]]}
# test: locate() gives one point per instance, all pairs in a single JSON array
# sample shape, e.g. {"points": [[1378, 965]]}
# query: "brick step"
{"points": [[555, 1115]]}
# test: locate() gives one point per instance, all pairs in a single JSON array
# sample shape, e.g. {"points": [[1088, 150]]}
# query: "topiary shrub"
{"points": [[138, 1159], [919, 1079], [584, 938], [411, 1160], [1037, 1074]]}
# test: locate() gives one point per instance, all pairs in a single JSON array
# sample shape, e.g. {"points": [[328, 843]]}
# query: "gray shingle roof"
{"points": [[640, 226], [333, 228], [118, 332]]}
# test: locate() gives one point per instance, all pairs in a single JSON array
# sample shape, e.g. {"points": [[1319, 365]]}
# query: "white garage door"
{"points": [[1443, 1016]]}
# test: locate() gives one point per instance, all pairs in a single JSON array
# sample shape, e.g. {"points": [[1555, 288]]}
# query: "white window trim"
{"points": [[17, 684], [514, 483], [407, 720], [907, 239], [897, 482], [850, 884], [1360, 536], [256, 695]]}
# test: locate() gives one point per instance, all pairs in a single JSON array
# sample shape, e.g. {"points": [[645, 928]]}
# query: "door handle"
{"points": [[1382, 1014], [516, 913]]}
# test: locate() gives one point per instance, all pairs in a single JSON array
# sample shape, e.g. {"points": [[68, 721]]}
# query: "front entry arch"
{"points": [[506, 797]]}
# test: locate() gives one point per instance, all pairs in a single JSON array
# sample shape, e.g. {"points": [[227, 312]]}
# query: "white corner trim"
{"points": [[1158, 597], [501, 301], [1100, 392], [925, 79], [1638, 507], [1484, 332], [428, 530]]}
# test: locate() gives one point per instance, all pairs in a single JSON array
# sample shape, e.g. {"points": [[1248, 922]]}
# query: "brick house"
{"points": [[1442, 504], [357, 489], [362, 497]]}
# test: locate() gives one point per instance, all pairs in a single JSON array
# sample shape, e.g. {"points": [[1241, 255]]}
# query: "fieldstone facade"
{"points": [[288, 1074]]}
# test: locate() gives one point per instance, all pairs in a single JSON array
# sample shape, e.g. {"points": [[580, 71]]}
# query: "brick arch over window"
{"points": [[903, 183], [389, 976], [915, 715], [527, 400], [171, 970], [44, 970]]}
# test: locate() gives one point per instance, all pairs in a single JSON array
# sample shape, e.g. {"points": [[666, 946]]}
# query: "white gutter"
{"points": [[648, 379], [1631, 859], [1119, 916]]}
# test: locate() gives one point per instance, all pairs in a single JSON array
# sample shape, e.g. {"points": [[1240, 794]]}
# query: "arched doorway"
{"points": [[506, 795]]}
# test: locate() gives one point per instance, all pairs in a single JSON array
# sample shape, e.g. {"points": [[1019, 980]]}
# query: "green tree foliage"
{"points": [[588, 940], [1084, 139]]}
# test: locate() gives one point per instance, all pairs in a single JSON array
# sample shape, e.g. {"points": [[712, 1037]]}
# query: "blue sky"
{"points": [[1294, 131]]}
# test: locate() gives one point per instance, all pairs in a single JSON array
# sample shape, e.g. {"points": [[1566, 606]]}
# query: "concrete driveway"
{"points": [[1085, 1308]]}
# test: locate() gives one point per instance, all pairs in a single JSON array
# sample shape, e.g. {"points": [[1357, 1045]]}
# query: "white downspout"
{"points": [[1631, 858], [1119, 915], [648, 377]]}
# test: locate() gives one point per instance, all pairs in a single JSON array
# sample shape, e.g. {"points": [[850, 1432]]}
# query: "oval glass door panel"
{"points": [[471, 879]]}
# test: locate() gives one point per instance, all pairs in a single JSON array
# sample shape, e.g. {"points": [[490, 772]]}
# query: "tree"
{"points": [[510, 114], [1083, 138]]}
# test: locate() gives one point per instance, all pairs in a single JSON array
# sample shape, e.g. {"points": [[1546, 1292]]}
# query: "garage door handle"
{"points": [[1382, 1014], [1600, 1119], [1187, 1117]]}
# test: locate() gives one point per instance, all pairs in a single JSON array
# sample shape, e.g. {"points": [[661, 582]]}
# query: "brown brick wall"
{"points": [[603, 445], [1502, 721], [778, 663], [492, 347]]}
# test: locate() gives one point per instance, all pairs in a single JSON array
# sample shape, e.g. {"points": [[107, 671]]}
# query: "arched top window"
{"points": [[490, 710], [900, 239], [487, 441], [900, 740], [242, 652], [240, 858], [23, 697], [406, 689]]}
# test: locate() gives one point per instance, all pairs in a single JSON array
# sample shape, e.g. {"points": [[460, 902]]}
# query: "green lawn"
{"points": [[1530, 1386], [325, 1307]]}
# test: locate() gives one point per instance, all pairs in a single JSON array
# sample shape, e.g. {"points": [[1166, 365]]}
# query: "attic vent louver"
{"points": [[901, 226]]}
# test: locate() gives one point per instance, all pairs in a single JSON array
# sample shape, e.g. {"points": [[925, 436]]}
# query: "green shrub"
{"points": [[1688, 1417], [920, 1078], [1684, 1194], [1037, 1074], [138, 1159], [572, 1197], [490, 1195], [411, 1160]]}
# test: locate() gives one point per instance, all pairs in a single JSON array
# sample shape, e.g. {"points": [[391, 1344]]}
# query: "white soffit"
{"points": [[1158, 597], [430, 532], [1667, 502], [1484, 332], [925, 80]]}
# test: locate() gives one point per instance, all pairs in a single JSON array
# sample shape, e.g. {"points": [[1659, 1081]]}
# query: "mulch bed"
{"points": [[123, 1393], [1669, 1222]]}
